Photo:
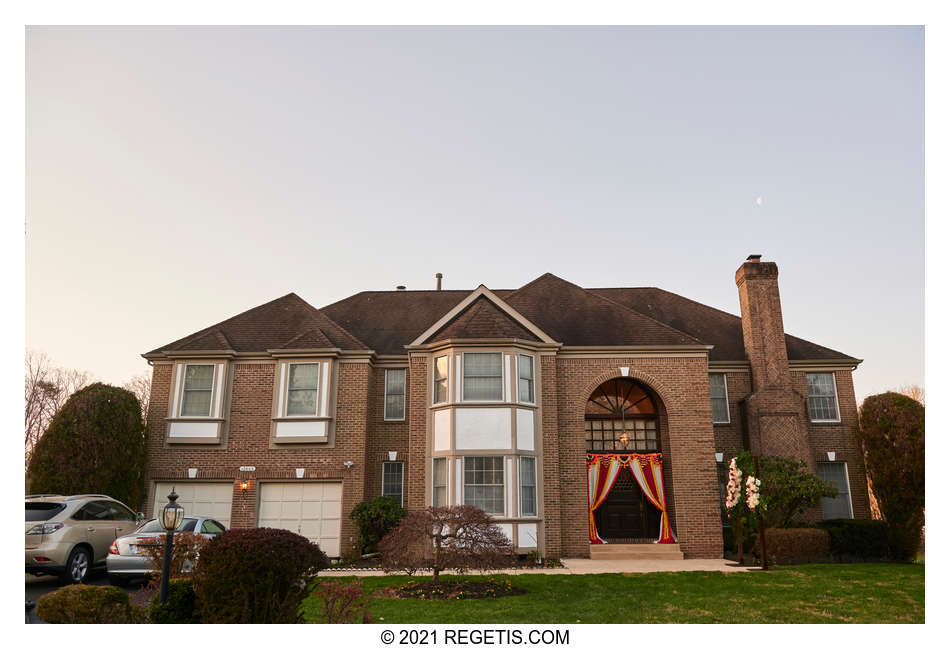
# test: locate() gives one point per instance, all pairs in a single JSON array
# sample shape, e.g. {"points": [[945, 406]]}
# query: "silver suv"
{"points": [[67, 536]]}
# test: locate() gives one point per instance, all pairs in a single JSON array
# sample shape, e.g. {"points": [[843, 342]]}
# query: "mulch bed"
{"points": [[451, 590], [374, 563]]}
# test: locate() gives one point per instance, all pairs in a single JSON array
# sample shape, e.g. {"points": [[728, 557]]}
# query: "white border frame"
{"points": [[834, 383], [386, 372]]}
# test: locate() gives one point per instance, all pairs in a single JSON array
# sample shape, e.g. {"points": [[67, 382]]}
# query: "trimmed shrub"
{"points": [[179, 607], [374, 519], [258, 575], [891, 428], [856, 540], [82, 604], [797, 545], [186, 547], [94, 444], [459, 538]]}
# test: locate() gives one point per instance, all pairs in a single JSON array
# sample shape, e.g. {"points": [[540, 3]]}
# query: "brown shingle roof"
{"points": [[269, 326], [482, 319], [719, 328], [387, 321]]}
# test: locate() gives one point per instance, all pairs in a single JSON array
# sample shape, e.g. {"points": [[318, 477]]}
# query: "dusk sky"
{"points": [[178, 176]]}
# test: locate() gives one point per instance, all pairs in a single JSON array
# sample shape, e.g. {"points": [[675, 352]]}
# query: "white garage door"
{"points": [[198, 498], [309, 509]]}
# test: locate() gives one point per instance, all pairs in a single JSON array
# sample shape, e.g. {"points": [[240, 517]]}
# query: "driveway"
{"points": [[38, 586]]}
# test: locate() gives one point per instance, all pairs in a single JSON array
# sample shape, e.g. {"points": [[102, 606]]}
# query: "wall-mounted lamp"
{"points": [[831, 456], [392, 456], [719, 457], [192, 473], [244, 486], [349, 464], [300, 472]]}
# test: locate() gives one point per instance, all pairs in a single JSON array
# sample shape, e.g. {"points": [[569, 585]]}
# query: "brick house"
{"points": [[287, 415]]}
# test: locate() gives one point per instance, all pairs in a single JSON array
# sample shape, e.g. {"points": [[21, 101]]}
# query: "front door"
{"points": [[626, 515]]}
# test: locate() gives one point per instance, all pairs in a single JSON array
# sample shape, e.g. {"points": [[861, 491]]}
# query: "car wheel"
{"points": [[118, 580], [77, 566]]}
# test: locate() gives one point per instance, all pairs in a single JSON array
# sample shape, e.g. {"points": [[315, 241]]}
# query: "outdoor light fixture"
{"points": [[192, 473], [172, 515], [349, 464], [300, 472], [244, 485], [718, 457], [624, 439], [831, 456]]}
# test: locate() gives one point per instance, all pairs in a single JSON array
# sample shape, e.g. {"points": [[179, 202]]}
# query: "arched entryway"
{"points": [[621, 422]]}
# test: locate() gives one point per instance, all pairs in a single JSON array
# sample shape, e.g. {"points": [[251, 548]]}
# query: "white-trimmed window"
{"points": [[440, 375], [392, 481], [840, 506], [197, 391], [395, 408], [719, 396], [439, 482], [482, 376], [303, 381], [822, 397], [484, 484], [525, 378], [529, 486]]}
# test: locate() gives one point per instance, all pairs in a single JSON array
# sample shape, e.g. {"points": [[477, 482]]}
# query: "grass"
{"points": [[858, 593]]}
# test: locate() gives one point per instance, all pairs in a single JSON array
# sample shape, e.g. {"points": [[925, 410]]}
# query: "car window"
{"points": [[95, 511], [120, 513], [211, 527], [42, 511], [187, 525]]}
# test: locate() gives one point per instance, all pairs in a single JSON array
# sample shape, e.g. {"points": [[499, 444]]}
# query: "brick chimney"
{"points": [[775, 413]]}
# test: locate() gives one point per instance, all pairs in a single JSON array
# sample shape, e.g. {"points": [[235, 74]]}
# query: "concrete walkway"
{"points": [[589, 567]]}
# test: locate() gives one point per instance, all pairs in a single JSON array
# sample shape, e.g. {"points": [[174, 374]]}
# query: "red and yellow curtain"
{"points": [[647, 470]]}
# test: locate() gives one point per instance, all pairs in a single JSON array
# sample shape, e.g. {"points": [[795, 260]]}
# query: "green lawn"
{"points": [[868, 592]]}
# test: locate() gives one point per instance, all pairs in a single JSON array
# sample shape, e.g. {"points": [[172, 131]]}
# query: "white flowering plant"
{"points": [[743, 497]]}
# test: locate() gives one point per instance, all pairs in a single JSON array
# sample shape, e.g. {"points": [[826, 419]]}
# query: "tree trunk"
{"points": [[739, 538]]}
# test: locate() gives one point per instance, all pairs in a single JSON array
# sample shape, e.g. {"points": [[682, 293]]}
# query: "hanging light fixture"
{"points": [[624, 439]]}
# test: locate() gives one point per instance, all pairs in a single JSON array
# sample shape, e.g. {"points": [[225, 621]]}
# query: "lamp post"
{"points": [[172, 515]]}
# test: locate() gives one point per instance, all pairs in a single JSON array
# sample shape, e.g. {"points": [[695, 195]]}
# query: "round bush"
{"points": [[94, 444], [375, 518], [179, 607], [81, 604], [258, 575]]}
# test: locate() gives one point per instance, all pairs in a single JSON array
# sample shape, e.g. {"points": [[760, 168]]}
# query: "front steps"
{"points": [[638, 551]]}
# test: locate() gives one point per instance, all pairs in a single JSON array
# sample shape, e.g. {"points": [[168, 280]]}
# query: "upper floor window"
{"points": [[822, 397], [840, 506], [196, 397], [395, 408], [440, 375], [302, 388], [482, 376], [719, 396], [526, 379]]}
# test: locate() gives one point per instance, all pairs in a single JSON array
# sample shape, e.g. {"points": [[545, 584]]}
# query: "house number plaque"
{"points": [[246, 468]]}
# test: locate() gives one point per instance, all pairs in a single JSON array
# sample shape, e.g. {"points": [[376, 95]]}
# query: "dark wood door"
{"points": [[626, 514]]}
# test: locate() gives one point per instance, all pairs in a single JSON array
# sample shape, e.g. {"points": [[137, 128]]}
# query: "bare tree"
{"points": [[46, 389], [141, 386], [915, 392]]}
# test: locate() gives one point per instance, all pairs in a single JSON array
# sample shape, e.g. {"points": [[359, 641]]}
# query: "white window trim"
{"points": [[504, 485], [725, 385], [386, 393], [834, 383], [402, 482], [847, 480], [534, 383], [286, 390], [211, 402], [445, 486], [446, 379], [502, 399], [522, 458]]}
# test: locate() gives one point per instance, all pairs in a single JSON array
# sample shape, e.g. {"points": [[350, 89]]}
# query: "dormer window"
{"points": [[482, 376]]}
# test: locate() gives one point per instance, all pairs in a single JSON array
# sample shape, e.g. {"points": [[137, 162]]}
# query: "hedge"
{"points": [[857, 540], [82, 604], [797, 545], [179, 606]]}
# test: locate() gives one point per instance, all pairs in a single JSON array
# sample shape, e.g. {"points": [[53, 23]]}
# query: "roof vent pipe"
{"points": [[438, 281], [400, 288]]}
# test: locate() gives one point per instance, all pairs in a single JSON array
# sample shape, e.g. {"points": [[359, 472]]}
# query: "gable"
{"points": [[482, 319]]}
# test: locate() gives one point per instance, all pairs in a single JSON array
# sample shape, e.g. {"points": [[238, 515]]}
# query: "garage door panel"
{"points": [[309, 509], [198, 499]]}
